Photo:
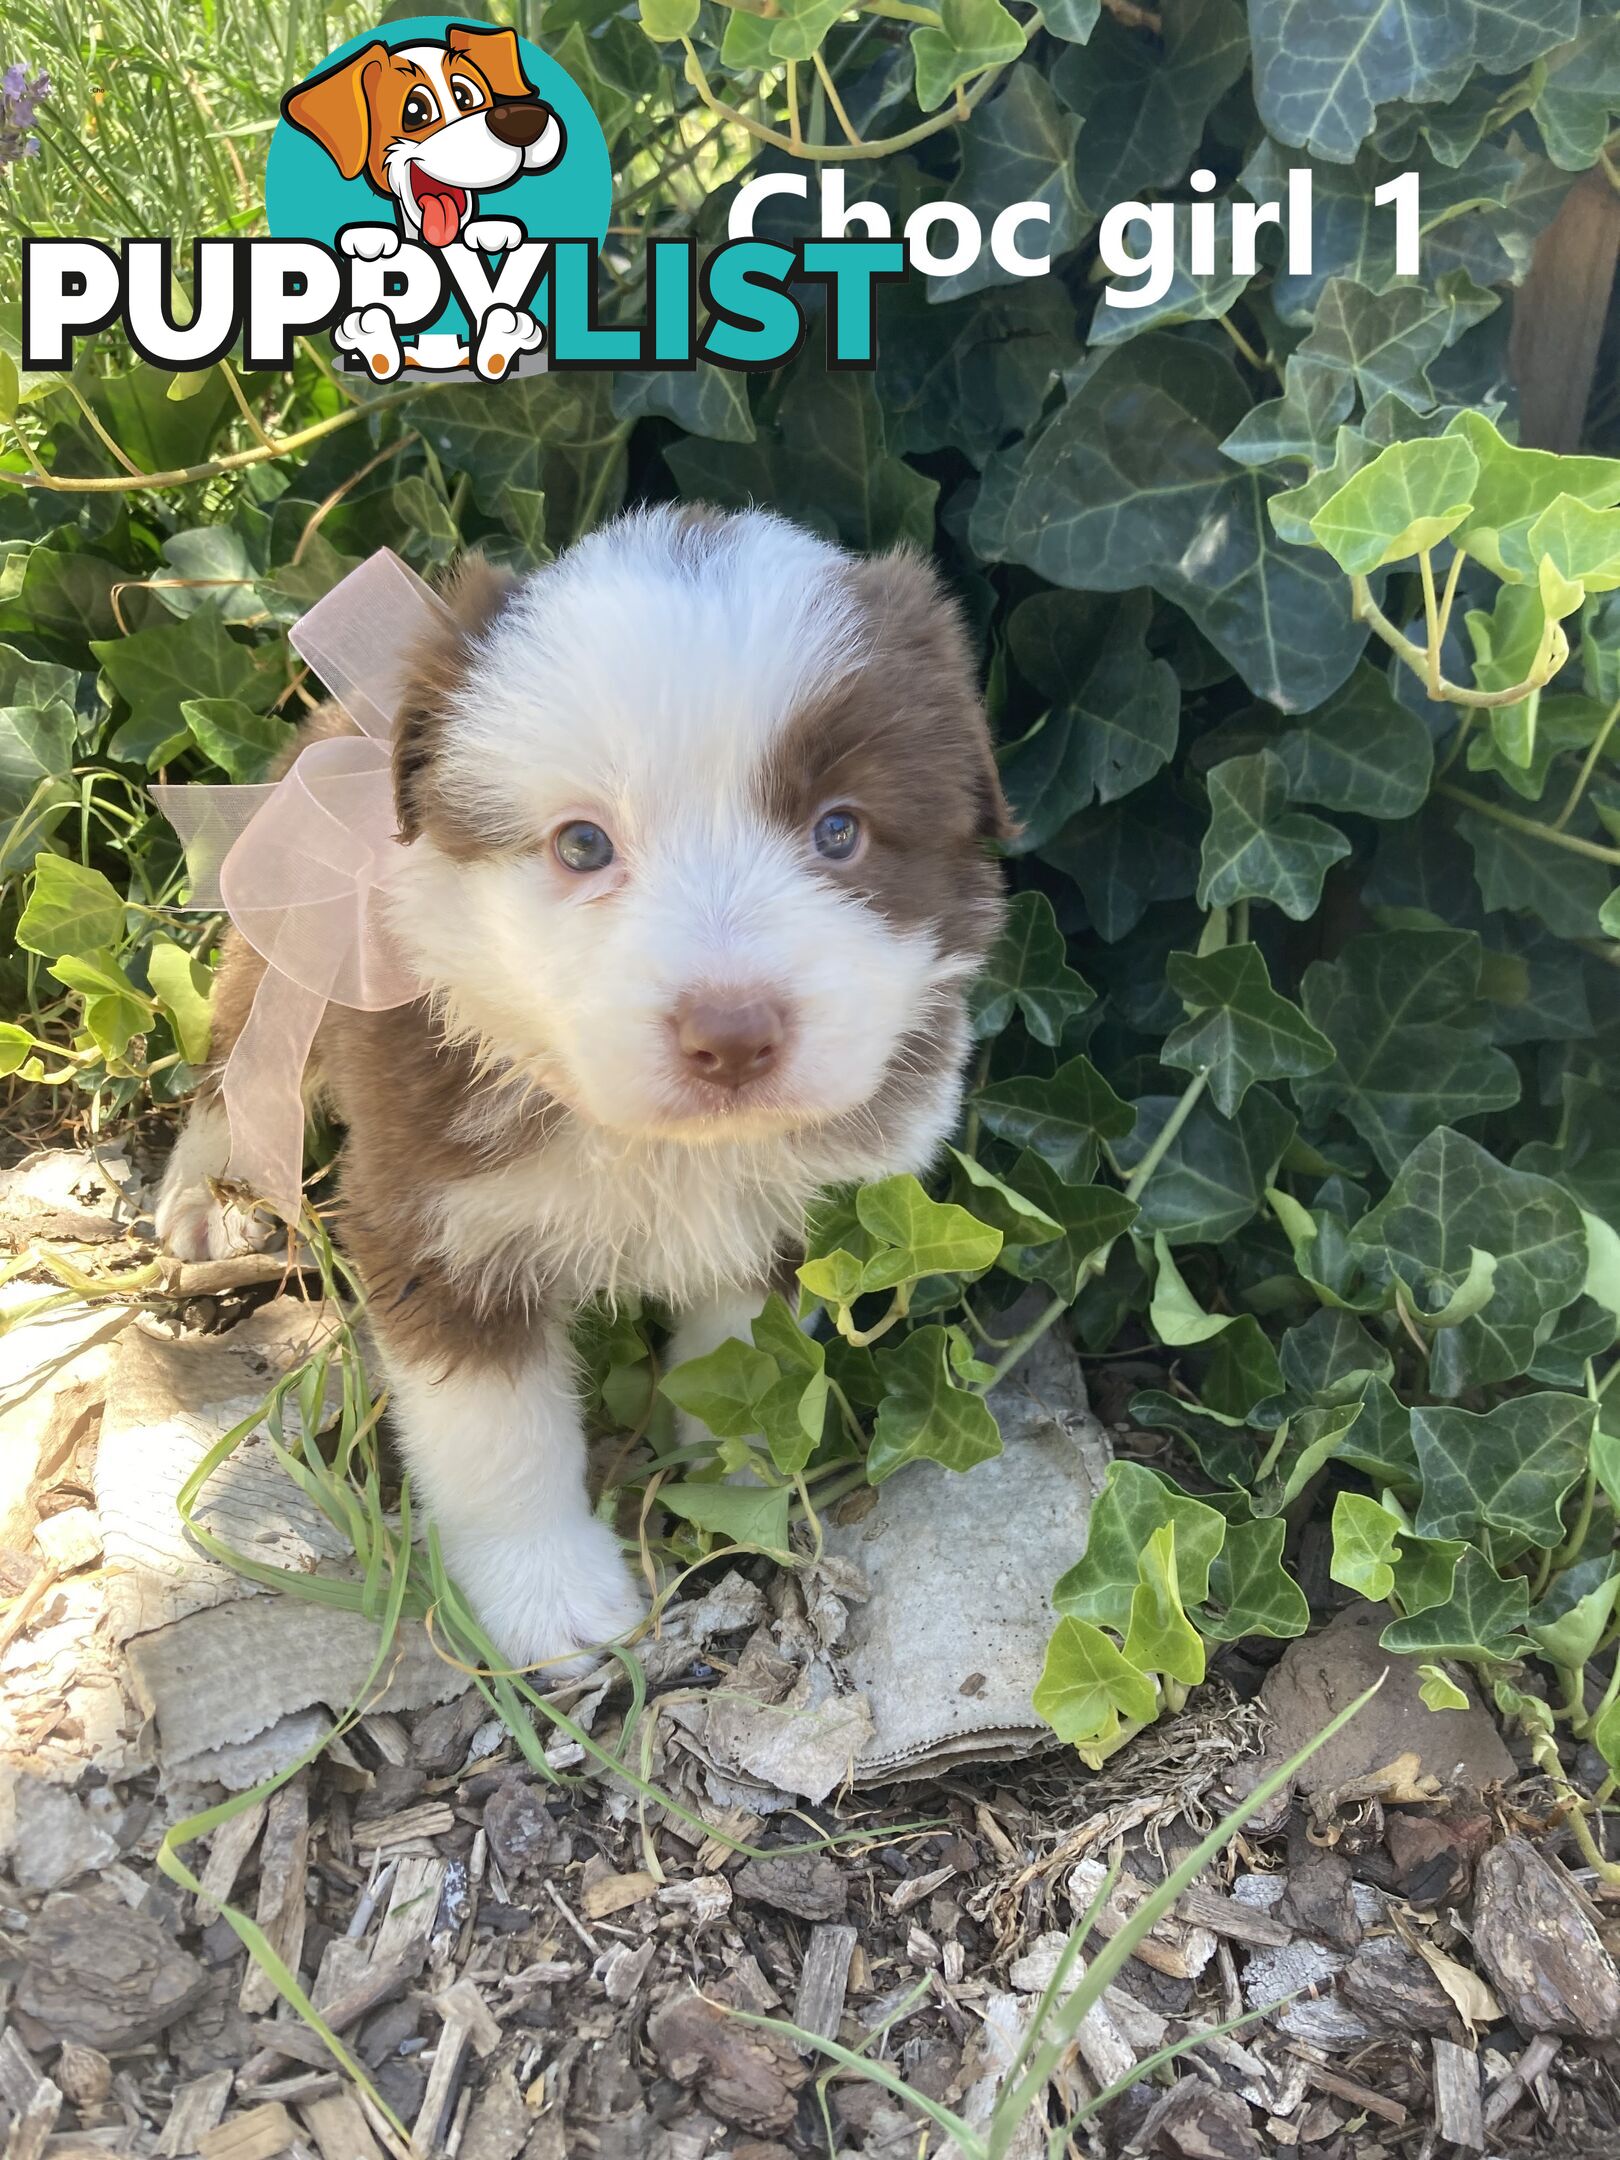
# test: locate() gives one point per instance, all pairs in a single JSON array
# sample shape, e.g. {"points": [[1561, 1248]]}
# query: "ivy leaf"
{"points": [[667, 20], [1316, 1437], [967, 373], [1089, 1217], [1214, 1174], [1073, 19], [36, 757], [1017, 147], [1363, 750], [1364, 1548], [1579, 93], [1241, 1030], [1256, 848], [1190, 296], [1087, 1685], [1144, 101], [921, 1236], [72, 909], [701, 400], [1514, 486], [1331, 1358], [1254, 1591], [723, 1388], [924, 1414], [748, 1515], [1159, 1638], [972, 35], [1028, 971], [157, 669], [1394, 1005], [1128, 487], [1584, 543], [1425, 1570], [1115, 715], [114, 1009], [1003, 1206], [793, 1409], [773, 1389], [1380, 345], [241, 742], [1439, 1691], [1243, 1370], [1061, 1117], [1321, 70], [1481, 1617], [182, 986], [1175, 1315], [1409, 498], [1570, 1638], [1126, 857], [1503, 1469], [1516, 870], [800, 26], [1450, 1197], [1132, 1505]]}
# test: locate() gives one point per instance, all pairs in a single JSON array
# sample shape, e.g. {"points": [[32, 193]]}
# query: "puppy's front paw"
{"points": [[553, 1601], [195, 1223], [193, 1219]]}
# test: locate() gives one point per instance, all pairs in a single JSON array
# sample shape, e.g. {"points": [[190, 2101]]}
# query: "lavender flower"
{"points": [[20, 95]]}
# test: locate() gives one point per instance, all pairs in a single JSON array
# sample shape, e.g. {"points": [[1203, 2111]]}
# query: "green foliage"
{"points": [[1295, 1067]]}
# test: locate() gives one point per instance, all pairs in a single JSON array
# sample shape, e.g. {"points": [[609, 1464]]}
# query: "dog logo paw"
{"points": [[502, 336], [369, 334], [369, 243]]}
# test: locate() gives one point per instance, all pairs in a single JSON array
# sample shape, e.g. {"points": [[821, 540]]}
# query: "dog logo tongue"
{"points": [[442, 207]]}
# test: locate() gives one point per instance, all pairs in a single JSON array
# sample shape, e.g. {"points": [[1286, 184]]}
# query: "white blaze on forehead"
{"points": [[434, 62], [647, 675]]}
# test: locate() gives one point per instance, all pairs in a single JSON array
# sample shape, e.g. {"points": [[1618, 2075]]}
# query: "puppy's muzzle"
{"points": [[727, 1045], [518, 122]]}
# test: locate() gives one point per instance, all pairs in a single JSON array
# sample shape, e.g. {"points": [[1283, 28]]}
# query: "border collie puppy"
{"points": [[696, 824]]}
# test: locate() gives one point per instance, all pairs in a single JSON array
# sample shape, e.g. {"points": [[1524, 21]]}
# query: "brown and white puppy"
{"points": [[697, 877]]}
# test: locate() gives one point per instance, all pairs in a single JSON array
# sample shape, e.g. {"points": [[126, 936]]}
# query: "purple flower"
{"points": [[20, 96]]}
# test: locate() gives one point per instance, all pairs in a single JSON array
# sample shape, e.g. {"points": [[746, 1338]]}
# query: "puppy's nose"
{"points": [[518, 123], [728, 1045]]}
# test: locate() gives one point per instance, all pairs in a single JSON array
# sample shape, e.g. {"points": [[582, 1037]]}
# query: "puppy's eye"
{"points": [[465, 94], [583, 846], [420, 110], [837, 834]]}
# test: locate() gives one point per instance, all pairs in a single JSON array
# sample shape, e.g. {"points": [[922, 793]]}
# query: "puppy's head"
{"points": [[430, 125], [698, 821]]}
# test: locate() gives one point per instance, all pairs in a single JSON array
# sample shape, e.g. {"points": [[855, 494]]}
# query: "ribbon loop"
{"points": [[299, 864]]}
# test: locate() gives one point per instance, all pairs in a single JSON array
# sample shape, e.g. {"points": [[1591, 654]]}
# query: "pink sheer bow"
{"points": [[299, 864]]}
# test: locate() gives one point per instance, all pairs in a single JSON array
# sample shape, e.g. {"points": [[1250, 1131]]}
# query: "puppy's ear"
{"points": [[495, 55], [475, 594], [335, 108], [920, 639]]}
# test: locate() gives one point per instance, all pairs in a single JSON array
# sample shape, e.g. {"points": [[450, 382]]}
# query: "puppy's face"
{"points": [[698, 825], [431, 125]]}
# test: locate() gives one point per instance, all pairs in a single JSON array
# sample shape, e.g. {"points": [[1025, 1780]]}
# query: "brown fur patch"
{"points": [[385, 1075], [475, 594], [904, 742]]}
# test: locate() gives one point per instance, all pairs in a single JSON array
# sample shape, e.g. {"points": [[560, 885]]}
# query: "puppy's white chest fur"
{"points": [[592, 1211]]}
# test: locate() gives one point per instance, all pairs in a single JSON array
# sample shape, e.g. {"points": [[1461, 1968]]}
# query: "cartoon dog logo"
{"points": [[432, 127]]}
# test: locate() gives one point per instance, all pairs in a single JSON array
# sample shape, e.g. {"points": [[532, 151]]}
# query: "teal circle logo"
{"points": [[436, 158]]}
